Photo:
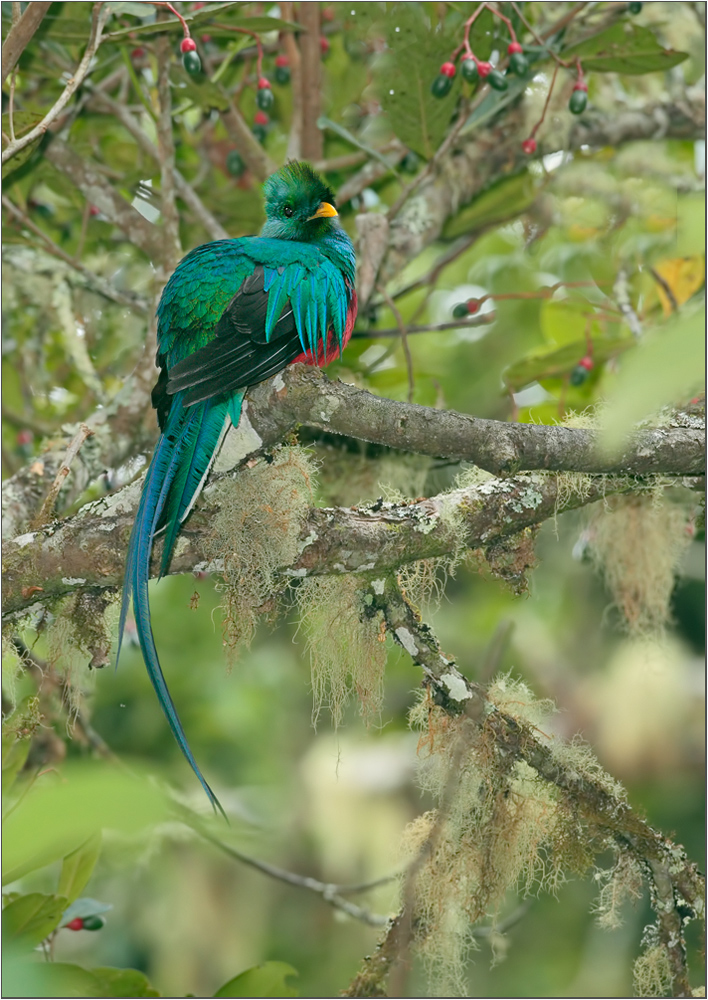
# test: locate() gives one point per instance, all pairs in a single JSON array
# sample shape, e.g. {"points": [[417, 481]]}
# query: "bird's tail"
{"points": [[179, 466]]}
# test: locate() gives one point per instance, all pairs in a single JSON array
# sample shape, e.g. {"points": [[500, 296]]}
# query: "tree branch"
{"points": [[100, 15], [84, 174], [310, 77], [20, 34]]}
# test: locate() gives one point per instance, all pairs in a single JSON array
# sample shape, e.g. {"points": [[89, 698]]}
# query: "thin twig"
{"points": [[47, 509], [99, 18], [665, 286], [395, 331], [329, 891], [97, 283], [404, 339]]}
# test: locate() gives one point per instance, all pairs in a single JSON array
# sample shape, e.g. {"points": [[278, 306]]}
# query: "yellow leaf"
{"points": [[684, 276]]}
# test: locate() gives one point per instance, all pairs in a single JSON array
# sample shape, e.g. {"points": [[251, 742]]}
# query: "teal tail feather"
{"points": [[179, 466]]}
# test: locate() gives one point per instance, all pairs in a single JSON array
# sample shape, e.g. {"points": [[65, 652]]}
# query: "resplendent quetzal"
{"points": [[233, 313]]}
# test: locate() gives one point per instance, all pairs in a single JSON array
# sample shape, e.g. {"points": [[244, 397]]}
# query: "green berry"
{"points": [[470, 71], [578, 102], [518, 64], [259, 132], [93, 923], [410, 162], [282, 75], [497, 80], [192, 63], [634, 8], [578, 375], [441, 86], [460, 310], [265, 99], [235, 164]]}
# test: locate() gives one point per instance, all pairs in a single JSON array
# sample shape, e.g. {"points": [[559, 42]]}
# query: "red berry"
{"points": [[93, 210], [587, 363], [529, 146], [472, 306], [447, 69], [76, 924], [515, 47], [187, 45], [24, 437], [137, 53], [263, 83], [328, 14], [198, 6], [324, 44], [484, 69], [581, 85], [281, 60], [206, 38], [260, 118]]}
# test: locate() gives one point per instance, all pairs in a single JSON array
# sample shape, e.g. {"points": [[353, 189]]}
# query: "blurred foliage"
{"points": [[573, 253]]}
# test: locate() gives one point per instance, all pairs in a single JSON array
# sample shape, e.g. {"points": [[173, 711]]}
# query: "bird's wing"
{"points": [[277, 314]]}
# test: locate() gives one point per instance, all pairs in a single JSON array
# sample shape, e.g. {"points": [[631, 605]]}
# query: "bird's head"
{"points": [[298, 204]]}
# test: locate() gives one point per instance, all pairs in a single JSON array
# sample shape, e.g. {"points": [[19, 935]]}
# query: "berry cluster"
{"points": [[93, 923], [474, 69]]}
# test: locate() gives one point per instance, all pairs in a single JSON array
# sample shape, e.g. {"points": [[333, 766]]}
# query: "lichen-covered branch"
{"points": [[88, 549], [677, 888]]}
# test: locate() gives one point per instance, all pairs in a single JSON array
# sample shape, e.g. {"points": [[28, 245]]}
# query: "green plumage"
{"points": [[233, 313]]}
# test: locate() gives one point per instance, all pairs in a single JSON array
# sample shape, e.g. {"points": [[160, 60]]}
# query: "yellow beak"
{"points": [[325, 211]]}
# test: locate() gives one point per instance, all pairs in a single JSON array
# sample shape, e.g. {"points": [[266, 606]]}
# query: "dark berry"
{"points": [[529, 146], [578, 375], [518, 64], [137, 53], [93, 923], [192, 63], [460, 310], [265, 99], [484, 69], [235, 164], [634, 8], [470, 71], [448, 69], [259, 133], [578, 102], [441, 86], [76, 924], [497, 80], [515, 48], [187, 45], [410, 162], [282, 75]]}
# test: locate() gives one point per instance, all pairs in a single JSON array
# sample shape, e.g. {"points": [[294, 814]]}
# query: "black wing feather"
{"points": [[239, 355]]}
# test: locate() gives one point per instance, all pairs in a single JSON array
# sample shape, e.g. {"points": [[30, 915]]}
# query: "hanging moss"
{"points": [[346, 642], [255, 533]]}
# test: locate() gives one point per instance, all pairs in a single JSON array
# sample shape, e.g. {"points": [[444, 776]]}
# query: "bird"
{"points": [[233, 313]]}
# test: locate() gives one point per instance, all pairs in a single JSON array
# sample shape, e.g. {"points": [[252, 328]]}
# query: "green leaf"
{"points": [[667, 367], [46, 979], [14, 755], [267, 980], [122, 983], [29, 919], [625, 47], [403, 78], [200, 90], [552, 364], [690, 225], [84, 907], [78, 867], [56, 817], [508, 198]]}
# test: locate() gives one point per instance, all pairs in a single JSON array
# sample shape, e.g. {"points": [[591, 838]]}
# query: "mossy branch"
{"points": [[677, 888]]}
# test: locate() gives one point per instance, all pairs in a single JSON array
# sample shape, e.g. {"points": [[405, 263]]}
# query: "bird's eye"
{"points": [[288, 211]]}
